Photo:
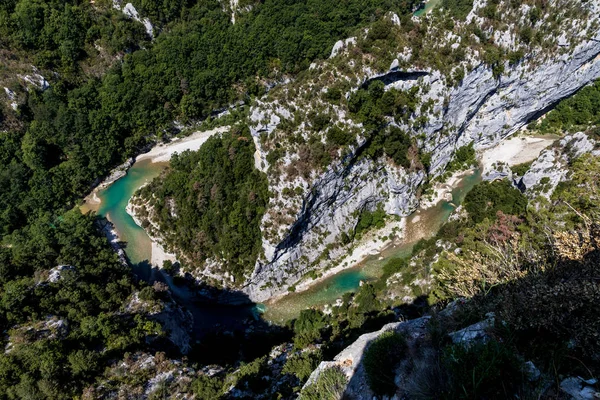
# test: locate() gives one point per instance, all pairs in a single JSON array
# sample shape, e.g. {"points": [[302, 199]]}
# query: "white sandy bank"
{"points": [[164, 152], [370, 245], [159, 255], [514, 151]]}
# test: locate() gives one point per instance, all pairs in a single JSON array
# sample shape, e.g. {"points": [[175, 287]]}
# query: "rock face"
{"points": [[349, 360], [551, 166], [327, 212], [420, 354], [116, 174], [130, 11], [176, 321], [579, 388], [483, 109]]}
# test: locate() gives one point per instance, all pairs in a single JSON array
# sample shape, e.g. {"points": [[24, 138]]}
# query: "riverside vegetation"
{"points": [[102, 89]]}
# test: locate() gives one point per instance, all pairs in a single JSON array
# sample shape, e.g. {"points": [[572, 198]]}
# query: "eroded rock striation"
{"points": [[483, 109]]}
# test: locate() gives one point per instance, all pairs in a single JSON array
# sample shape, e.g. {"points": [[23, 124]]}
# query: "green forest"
{"points": [[64, 330], [218, 199], [90, 120], [88, 88], [111, 91]]}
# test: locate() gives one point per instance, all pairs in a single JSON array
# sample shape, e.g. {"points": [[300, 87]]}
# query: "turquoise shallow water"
{"points": [[430, 4], [422, 224], [114, 202], [138, 248]]}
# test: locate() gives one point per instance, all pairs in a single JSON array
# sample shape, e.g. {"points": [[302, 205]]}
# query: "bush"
{"points": [[369, 219], [339, 137], [303, 365], [330, 385], [308, 327], [250, 376], [521, 169], [480, 371], [380, 361], [207, 388], [464, 157], [487, 198], [459, 9]]}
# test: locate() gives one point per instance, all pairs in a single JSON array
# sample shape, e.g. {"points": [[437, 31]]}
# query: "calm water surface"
{"points": [[423, 223]]}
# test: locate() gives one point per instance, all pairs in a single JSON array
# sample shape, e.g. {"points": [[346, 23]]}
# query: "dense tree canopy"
{"points": [[111, 90], [61, 285], [210, 203]]}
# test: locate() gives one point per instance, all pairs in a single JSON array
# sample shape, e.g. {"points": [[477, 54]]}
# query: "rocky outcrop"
{"points": [[175, 320], [420, 353], [116, 174], [579, 388], [349, 360], [420, 357], [483, 109], [551, 167], [50, 328], [140, 375], [328, 210], [130, 11]]}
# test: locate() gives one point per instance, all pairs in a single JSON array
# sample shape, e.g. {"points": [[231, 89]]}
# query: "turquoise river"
{"points": [[113, 203]]}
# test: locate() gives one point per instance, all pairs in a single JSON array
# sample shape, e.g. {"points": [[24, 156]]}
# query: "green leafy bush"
{"points": [[303, 365], [487, 198], [458, 8], [207, 388], [521, 169], [464, 158], [576, 112], [329, 386], [308, 327], [480, 371], [251, 375], [380, 361], [370, 219]]}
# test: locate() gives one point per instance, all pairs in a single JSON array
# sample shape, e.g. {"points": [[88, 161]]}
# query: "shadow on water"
{"points": [[208, 315]]}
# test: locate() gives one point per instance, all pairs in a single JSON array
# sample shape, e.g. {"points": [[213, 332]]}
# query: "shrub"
{"points": [[369, 219], [458, 8], [330, 385], [480, 371], [464, 157], [303, 365], [380, 361], [207, 388], [487, 198], [251, 375], [521, 169], [339, 137], [308, 327]]}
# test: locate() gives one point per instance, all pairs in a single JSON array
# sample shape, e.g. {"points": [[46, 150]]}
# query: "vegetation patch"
{"points": [[487, 198], [489, 370], [209, 204], [330, 385], [577, 112], [380, 361]]}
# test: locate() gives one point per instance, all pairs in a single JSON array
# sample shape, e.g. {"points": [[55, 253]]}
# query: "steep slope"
{"points": [[312, 209]]}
